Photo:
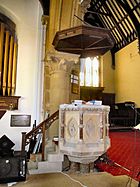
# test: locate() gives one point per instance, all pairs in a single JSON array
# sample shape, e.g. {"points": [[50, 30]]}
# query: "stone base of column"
{"points": [[84, 168], [91, 165], [74, 166]]}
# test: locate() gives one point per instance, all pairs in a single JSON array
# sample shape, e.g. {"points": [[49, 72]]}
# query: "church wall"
{"points": [[127, 74], [27, 17], [61, 17], [107, 73]]}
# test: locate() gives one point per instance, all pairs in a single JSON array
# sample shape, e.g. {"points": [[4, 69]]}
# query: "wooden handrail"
{"points": [[42, 127], [47, 121]]}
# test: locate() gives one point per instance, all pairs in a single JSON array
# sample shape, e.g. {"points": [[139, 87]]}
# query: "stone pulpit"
{"points": [[83, 131]]}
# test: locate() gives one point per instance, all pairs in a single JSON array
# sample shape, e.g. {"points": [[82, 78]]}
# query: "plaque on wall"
{"points": [[20, 120]]}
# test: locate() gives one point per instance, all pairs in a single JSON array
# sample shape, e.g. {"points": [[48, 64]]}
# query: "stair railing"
{"points": [[41, 128]]}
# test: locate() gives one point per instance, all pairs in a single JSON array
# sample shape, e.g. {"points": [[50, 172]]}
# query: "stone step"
{"points": [[55, 157], [53, 161], [47, 167]]}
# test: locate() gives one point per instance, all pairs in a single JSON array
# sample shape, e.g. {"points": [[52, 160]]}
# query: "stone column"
{"points": [[57, 66], [60, 66], [59, 83], [74, 167], [84, 168]]}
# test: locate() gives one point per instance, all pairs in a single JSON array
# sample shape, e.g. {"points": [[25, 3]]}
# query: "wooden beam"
{"points": [[121, 22], [106, 20], [98, 13], [115, 22], [131, 14]]}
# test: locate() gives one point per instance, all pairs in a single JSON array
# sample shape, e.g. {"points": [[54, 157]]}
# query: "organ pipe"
{"points": [[8, 61], [10, 65], [14, 68], [5, 63], [1, 50]]}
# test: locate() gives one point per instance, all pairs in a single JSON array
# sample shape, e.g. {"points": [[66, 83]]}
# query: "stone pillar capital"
{"points": [[60, 61]]}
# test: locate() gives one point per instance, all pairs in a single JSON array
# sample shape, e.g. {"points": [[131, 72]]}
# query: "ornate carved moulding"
{"points": [[84, 40], [9, 102]]}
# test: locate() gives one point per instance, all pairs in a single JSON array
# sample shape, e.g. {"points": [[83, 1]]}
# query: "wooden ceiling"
{"points": [[121, 17]]}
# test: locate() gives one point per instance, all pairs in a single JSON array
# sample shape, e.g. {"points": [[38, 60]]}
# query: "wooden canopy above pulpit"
{"points": [[84, 40]]}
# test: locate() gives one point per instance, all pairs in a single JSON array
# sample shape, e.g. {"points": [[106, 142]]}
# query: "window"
{"points": [[89, 72], [74, 82]]}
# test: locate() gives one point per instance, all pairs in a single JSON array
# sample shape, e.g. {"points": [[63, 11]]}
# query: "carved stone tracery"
{"points": [[72, 127]]}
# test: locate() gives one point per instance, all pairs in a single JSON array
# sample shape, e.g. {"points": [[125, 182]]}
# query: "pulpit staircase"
{"points": [[49, 159]]}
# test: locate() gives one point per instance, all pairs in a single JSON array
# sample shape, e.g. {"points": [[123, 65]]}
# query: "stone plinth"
{"points": [[83, 131]]}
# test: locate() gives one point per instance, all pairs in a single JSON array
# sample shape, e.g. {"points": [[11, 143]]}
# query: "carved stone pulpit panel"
{"points": [[83, 131]]}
